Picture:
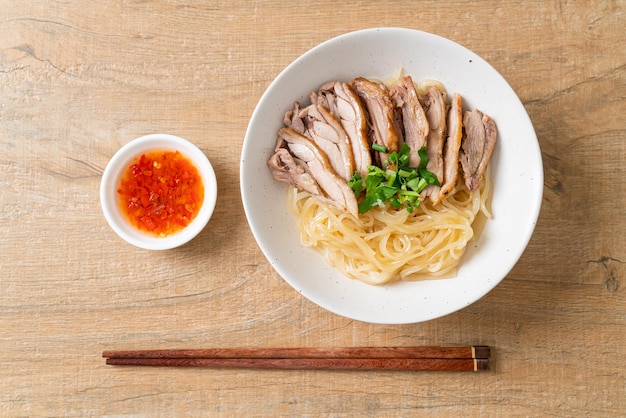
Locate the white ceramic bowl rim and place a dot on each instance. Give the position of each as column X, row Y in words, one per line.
column 112, row 176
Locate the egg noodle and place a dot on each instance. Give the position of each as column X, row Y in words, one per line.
column 389, row 244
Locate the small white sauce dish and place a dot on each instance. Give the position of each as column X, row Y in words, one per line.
column 111, row 182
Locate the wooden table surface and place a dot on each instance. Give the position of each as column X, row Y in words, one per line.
column 80, row 79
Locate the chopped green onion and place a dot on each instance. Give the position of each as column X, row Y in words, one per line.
column 379, row 148
column 398, row 183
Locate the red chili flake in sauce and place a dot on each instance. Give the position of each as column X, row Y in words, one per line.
column 161, row 192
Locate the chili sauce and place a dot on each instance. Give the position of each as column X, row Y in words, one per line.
column 161, row 192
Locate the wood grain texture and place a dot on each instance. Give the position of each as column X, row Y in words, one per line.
column 79, row 79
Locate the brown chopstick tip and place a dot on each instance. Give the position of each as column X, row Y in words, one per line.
column 481, row 351
column 481, row 365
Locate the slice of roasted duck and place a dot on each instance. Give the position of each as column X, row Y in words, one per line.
column 479, row 140
column 414, row 121
column 382, row 125
column 318, row 124
column 451, row 148
column 435, row 109
column 310, row 162
column 344, row 104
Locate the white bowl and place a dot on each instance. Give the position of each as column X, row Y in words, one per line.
column 112, row 177
column 516, row 169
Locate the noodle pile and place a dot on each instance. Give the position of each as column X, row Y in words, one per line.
column 389, row 244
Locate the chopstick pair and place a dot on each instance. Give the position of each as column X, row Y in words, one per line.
column 426, row 358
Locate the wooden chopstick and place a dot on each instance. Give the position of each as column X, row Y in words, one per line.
column 411, row 364
column 444, row 352
column 469, row 358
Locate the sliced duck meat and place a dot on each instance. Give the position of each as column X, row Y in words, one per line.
column 326, row 131
column 293, row 119
column 317, row 123
column 478, row 143
column 451, row 148
column 344, row 104
column 326, row 97
column 414, row 120
column 334, row 189
column 286, row 168
column 382, row 125
column 435, row 109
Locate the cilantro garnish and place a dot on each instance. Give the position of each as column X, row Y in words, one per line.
column 396, row 182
